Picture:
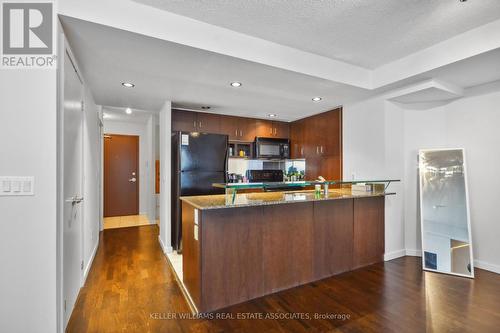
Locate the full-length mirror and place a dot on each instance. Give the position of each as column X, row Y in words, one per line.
column 444, row 212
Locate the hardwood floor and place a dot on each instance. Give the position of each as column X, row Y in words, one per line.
column 131, row 288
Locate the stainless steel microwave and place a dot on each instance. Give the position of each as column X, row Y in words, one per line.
column 272, row 148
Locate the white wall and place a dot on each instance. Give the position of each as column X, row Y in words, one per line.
column 28, row 147
column 373, row 150
column 92, row 178
column 165, row 169
column 382, row 139
column 146, row 162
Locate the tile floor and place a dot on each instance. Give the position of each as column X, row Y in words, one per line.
column 125, row 221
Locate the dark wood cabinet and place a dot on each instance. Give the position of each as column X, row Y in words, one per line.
column 264, row 128
column 184, row 121
column 246, row 129
column 318, row 139
column 208, row 123
column 333, row 237
column 369, row 231
column 237, row 128
column 272, row 129
column 188, row 121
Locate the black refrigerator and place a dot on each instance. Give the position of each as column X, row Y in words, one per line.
column 198, row 161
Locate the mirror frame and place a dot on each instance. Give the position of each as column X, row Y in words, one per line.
column 420, row 151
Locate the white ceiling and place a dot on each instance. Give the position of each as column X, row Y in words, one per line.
column 192, row 77
column 119, row 114
column 363, row 32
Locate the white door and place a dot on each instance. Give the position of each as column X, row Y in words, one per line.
column 72, row 147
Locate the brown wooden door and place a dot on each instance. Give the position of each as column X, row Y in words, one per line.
column 281, row 129
column 297, row 139
column 184, row 121
column 208, row 123
column 229, row 126
column 121, row 175
column 246, row 128
column 264, row 128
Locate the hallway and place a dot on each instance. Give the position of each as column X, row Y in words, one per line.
column 131, row 288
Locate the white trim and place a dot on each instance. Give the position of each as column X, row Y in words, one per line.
column 487, row 266
column 165, row 250
column 394, row 254
column 182, row 286
column 413, row 253
column 89, row 264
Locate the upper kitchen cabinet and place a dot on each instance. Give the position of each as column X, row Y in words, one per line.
column 238, row 128
column 297, row 138
column 208, row 123
column 188, row 121
column 246, row 127
column 229, row 126
column 318, row 139
column 184, row 121
column 272, row 129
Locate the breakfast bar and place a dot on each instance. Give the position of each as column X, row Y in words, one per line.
column 237, row 247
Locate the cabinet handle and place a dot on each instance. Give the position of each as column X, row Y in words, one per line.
column 271, row 131
column 194, row 123
column 302, row 151
column 317, row 150
column 241, row 133
column 199, row 123
column 275, row 131
column 321, row 149
column 236, row 132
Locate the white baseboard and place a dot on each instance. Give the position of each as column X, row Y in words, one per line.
column 89, row 264
column 394, row 254
column 487, row 266
column 167, row 249
column 413, row 253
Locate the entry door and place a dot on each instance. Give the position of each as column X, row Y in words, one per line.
column 121, row 175
column 72, row 143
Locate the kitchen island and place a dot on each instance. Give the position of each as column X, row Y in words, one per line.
column 261, row 243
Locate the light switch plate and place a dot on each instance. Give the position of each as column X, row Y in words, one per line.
column 17, row 186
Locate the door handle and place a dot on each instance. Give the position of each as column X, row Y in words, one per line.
column 132, row 180
column 74, row 200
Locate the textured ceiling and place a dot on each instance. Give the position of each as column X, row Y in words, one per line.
column 368, row 33
column 191, row 77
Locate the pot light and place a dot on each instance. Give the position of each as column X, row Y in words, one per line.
column 271, row 115
column 236, row 84
column 316, row 99
column 106, row 116
column 205, row 107
column 128, row 111
column 128, row 84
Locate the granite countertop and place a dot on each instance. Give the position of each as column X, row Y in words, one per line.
column 273, row 198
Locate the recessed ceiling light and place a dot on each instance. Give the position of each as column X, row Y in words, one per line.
column 205, row 107
column 128, row 111
column 105, row 116
column 271, row 115
column 236, row 84
column 317, row 99
column 128, row 84
column 462, row 0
